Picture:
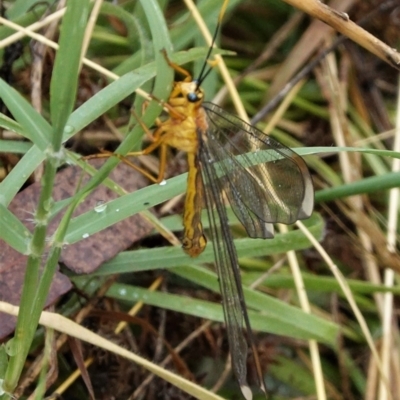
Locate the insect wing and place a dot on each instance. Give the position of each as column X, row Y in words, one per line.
column 227, row 268
column 266, row 183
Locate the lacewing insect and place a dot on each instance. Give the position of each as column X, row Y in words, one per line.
column 264, row 181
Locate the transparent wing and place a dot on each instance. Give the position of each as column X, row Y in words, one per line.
column 267, row 183
column 227, row 266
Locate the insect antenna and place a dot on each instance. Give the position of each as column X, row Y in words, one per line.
column 203, row 73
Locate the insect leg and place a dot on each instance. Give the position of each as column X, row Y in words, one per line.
column 157, row 142
column 176, row 67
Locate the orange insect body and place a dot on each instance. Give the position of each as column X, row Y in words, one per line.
column 194, row 241
column 180, row 131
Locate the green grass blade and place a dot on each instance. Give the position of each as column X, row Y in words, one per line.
column 13, row 182
column 371, row 184
column 65, row 74
column 16, row 235
column 14, row 146
column 34, row 125
column 277, row 317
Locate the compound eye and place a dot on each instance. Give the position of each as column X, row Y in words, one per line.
column 192, row 97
